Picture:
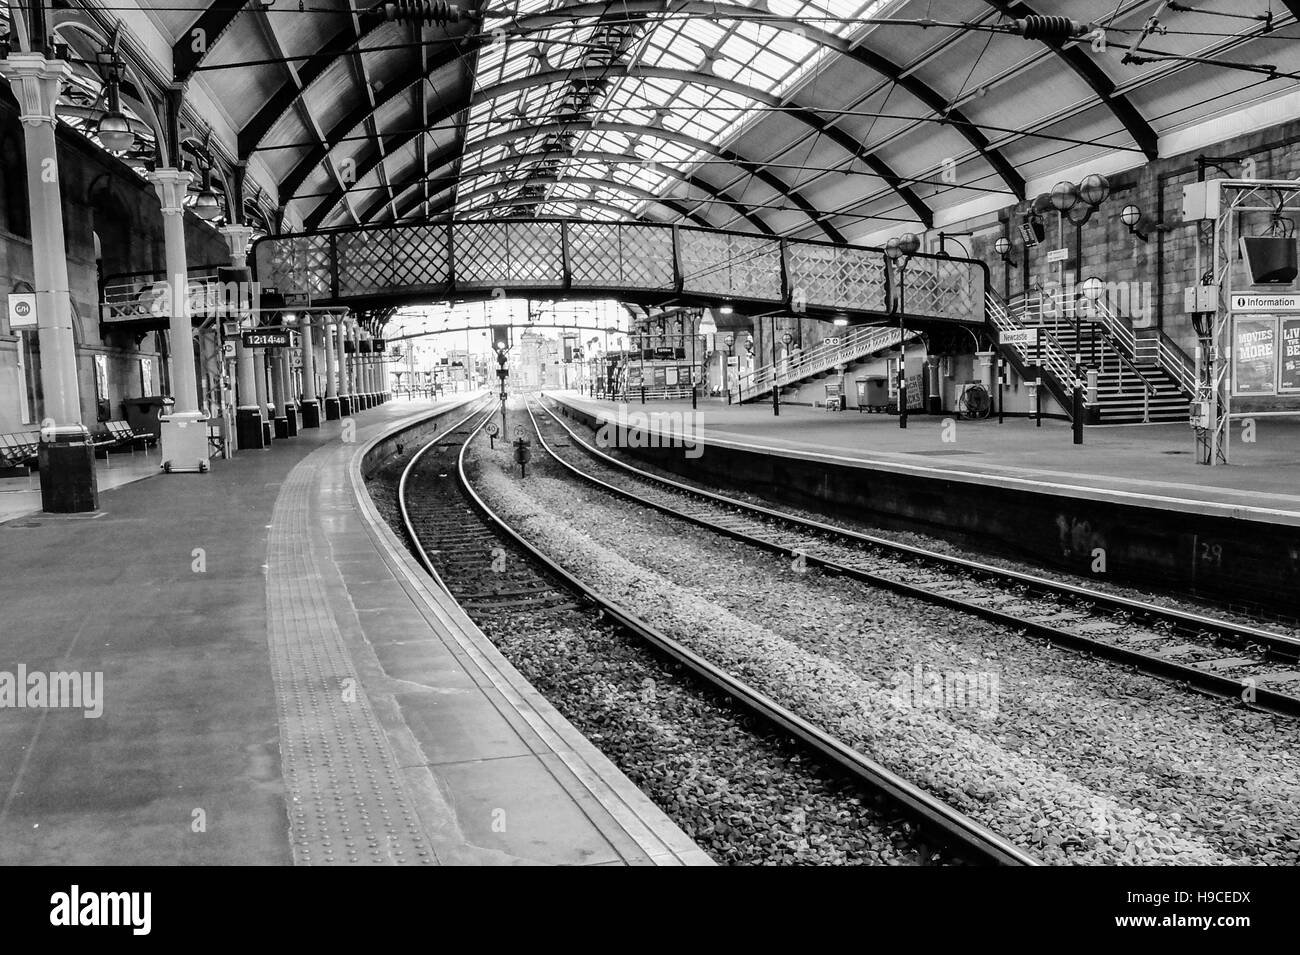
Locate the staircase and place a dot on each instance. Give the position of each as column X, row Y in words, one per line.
column 1139, row 381
column 854, row 345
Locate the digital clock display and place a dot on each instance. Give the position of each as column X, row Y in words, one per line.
column 267, row 339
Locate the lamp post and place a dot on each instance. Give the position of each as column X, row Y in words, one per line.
column 1078, row 203
column 902, row 247
column 729, row 341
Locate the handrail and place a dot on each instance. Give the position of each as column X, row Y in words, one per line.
column 859, row 342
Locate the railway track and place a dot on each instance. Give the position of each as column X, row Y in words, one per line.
column 458, row 537
column 1257, row 667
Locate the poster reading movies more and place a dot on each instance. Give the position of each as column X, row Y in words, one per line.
column 1290, row 377
column 1254, row 355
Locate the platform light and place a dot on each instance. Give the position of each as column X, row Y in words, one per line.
column 892, row 249
column 114, row 129
column 1094, row 189
column 207, row 205
column 840, row 320
column 1064, row 195
column 726, row 310
column 1131, row 215
column 909, row 243
column 1002, row 247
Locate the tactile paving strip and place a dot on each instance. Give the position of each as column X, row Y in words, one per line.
column 346, row 800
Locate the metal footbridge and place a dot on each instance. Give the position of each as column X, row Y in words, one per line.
column 646, row 263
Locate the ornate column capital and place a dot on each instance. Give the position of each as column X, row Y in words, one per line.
column 237, row 238
column 36, row 83
column 172, row 185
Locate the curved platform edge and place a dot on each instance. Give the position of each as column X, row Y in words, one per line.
column 636, row 829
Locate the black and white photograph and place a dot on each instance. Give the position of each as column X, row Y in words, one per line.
column 715, row 433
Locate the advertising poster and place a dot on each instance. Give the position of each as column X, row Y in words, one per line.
column 659, row 376
column 670, row 376
column 1254, row 355
column 1290, row 376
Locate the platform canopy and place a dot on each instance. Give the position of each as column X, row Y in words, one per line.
column 837, row 119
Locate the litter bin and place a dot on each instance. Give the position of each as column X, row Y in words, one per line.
column 142, row 413
column 873, row 393
column 67, row 461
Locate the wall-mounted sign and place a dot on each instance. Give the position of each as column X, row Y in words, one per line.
column 295, row 358
column 1255, row 302
column 268, row 338
column 1254, row 355
column 1018, row 336
column 1289, row 375
column 1058, row 255
column 22, row 309
column 228, row 349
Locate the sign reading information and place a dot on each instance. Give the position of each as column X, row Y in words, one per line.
column 1254, row 355
column 1263, row 302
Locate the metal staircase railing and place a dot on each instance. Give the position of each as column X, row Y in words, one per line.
column 1048, row 354
column 855, row 345
column 1117, row 340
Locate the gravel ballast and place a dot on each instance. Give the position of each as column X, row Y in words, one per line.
column 1075, row 760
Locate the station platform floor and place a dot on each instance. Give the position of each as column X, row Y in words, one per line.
column 280, row 684
column 1153, row 466
column 22, row 495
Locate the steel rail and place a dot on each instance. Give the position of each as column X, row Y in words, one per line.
column 976, row 841
column 1203, row 679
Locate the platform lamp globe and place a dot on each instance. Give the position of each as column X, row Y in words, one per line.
column 114, row 129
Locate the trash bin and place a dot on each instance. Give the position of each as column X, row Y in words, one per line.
column 142, row 413
column 873, row 393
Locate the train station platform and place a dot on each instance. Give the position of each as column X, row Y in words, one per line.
column 1135, row 492
column 267, row 677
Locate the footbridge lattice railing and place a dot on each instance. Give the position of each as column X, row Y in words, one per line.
column 475, row 259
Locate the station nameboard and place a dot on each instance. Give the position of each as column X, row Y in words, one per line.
column 1018, row 336
column 267, row 338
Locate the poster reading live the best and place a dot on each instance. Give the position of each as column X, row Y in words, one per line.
column 1289, row 379
column 1254, row 355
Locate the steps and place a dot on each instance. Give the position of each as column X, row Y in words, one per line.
column 853, row 346
column 1127, row 393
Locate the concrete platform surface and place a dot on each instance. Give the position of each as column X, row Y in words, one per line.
column 1146, row 465
column 20, row 496
column 270, row 681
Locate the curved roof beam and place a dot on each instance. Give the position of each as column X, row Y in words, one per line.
column 450, row 155
column 800, row 113
column 258, row 127
column 627, row 216
column 1087, row 70
column 633, row 191
column 757, row 169
column 505, row 165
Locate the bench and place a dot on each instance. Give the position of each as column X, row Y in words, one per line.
column 18, row 453
column 119, row 436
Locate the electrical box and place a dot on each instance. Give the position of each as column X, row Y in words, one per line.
column 1200, row 298
column 1201, row 200
column 1199, row 414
